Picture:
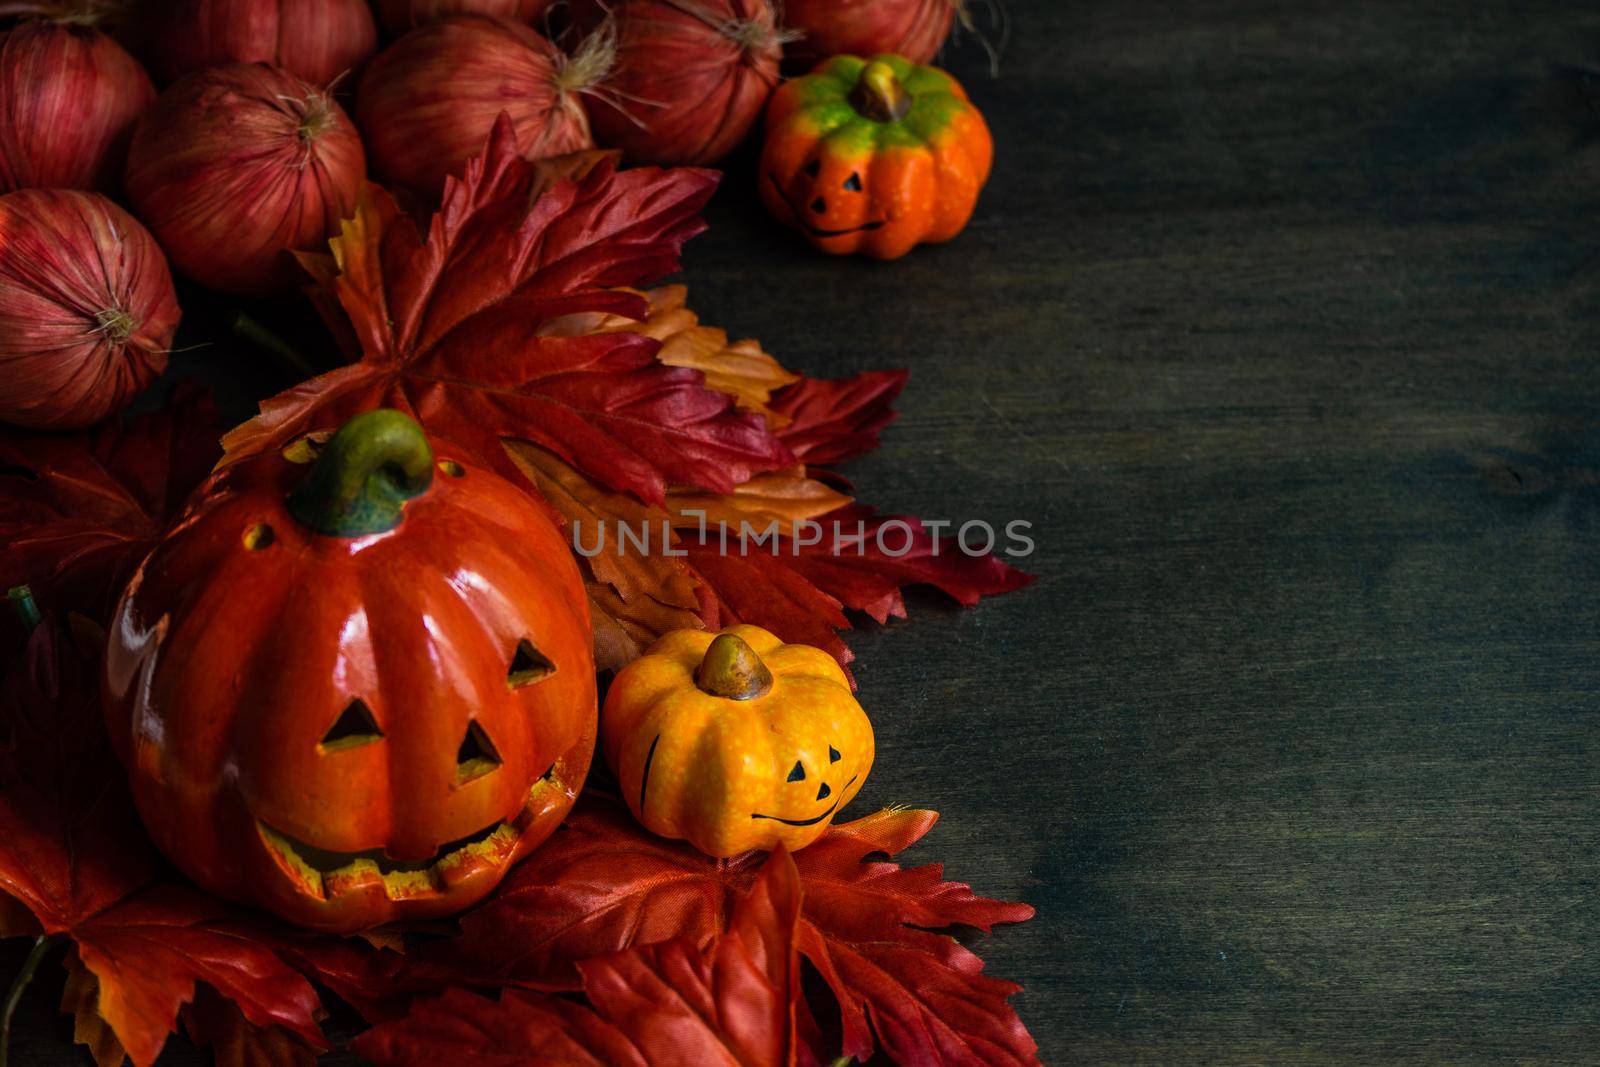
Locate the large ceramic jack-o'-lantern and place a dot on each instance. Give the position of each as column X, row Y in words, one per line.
column 357, row 687
column 735, row 741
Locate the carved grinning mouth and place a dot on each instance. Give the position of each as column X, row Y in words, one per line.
column 330, row 873
column 816, row 819
column 817, row 231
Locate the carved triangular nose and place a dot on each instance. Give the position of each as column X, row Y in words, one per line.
column 476, row 756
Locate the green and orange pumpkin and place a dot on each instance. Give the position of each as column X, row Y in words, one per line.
column 874, row 156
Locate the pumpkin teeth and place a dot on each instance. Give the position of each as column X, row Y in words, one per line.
column 330, row 873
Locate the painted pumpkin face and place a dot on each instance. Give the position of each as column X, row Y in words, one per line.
column 356, row 689
column 736, row 741
column 874, row 157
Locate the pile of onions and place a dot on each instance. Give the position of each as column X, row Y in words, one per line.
column 428, row 103
column 690, row 78
column 315, row 39
column 915, row 29
column 87, row 311
column 69, row 96
column 236, row 166
column 398, row 16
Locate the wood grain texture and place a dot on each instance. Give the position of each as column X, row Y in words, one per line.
column 1279, row 322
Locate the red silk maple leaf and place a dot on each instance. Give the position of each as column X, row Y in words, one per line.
column 70, row 844
column 79, row 510
column 796, row 587
column 73, row 854
column 450, row 328
column 602, row 884
column 832, row 420
column 667, row 1004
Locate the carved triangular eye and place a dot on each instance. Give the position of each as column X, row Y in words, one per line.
column 528, row 665
column 477, row 755
column 798, row 772
column 355, row 726
column 853, row 183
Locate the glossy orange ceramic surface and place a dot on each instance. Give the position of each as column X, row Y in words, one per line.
column 353, row 730
column 874, row 156
column 736, row 752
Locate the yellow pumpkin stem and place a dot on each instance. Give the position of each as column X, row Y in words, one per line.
column 731, row 669
column 879, row 94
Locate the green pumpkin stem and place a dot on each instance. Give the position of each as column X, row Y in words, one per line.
column 732, row 670
column 879, row 94
column 364, row 475
column 26, row 608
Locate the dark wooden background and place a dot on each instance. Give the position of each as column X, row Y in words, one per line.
column 1279, row 321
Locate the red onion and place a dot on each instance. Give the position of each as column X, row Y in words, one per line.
column 317, row 40
column 427, row 103
column 69, row 96
column 690, row 78
column 915, row 29
column 234, row 167
column 398, row 16
column 87, row 311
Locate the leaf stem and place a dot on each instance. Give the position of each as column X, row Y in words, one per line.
column 249, row 329
column 22, row 602
column 41, row 945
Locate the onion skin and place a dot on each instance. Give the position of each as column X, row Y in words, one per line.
column 683, row 90
column 428, row 102
column 234, row 167
column 317, row 40
column 399, row 16
column 87, row 310
column 69, row 96
column 916, row 29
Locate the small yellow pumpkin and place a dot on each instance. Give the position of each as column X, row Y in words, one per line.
column 735, row 741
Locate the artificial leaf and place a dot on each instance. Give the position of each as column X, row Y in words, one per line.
column 779, row 499
column 148, row 953
column 738, row 999
column 741, row 369
column 603, row 884
column 782, row 551
column 70, row 844
column 864, row 559
column 72, row 852
column 80, row 999
column 797, row 586
column 594, row 520
column 79, row 510
column 518, row 1030
column 832, row 420
column 374, row 981
column 449, row 328
column 759, row 587
column 666, row 1004
column 213, row 1020
column 867, row 931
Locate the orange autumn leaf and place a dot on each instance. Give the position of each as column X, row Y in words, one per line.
column 623, row 629
column 80, row 998
column 786, row 498
column 593, row 519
